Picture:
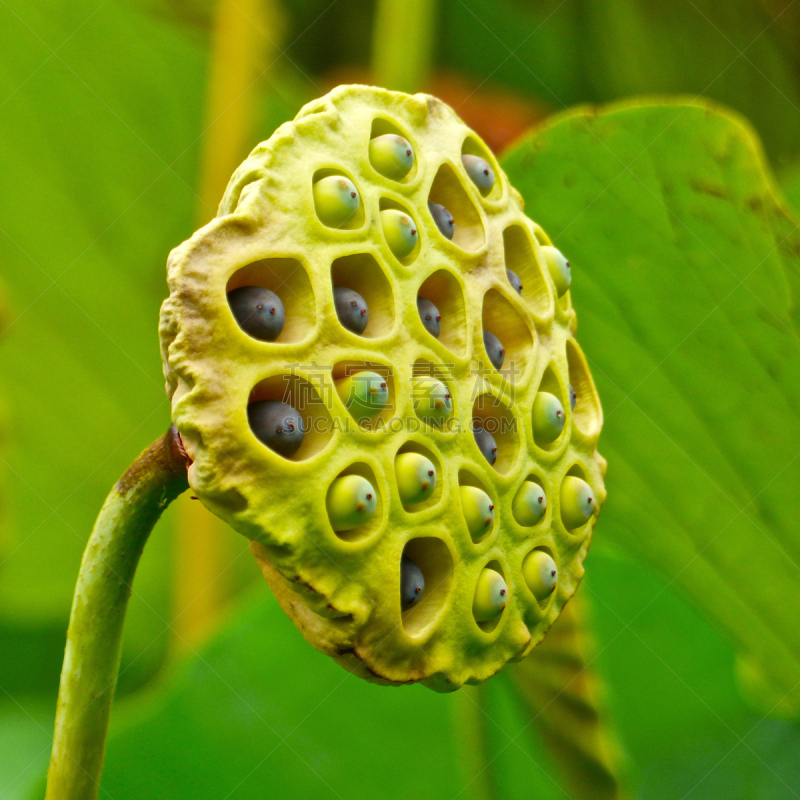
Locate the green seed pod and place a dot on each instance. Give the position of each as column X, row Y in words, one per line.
column 530, row 503
column 351, row 502
column 577, row 502
column 559, row 269
column 336, row 200
column 548, row 417
column 480, row 173
column 491, row 596
column 416, row 477
column 342, row 591
column 365, row 394
column 432, row 400
column 391, row 155
column 400, row 232
column 540, row 573
column 478, row 510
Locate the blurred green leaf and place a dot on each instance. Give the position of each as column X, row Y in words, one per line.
column 685, row 276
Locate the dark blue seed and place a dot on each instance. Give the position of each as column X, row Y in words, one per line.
column 573, row 398
column 258, row 311
column 430, row 316
column 494, row 348
column 514, row 280
column 277, row 425
column 412, row 583
column 351, row 308
column 443, row 219
column 486, row 444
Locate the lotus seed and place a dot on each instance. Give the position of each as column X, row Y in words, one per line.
column 443, row 219
column 258, row 311
column 336, row 200
column 416, row 477
column 486, row 444
column 577, row 502
column 478, row 511
column 548, row 417
column 277, row 425
column 351, row 502
column 400, row 232
column 514, row 280
column 351, row 308
column 573, row 398
column 491, row 595
column 494, row 349
column 530, row 503
column 559, row 269
column 540, row 573
column 480, row 173
column 432, row 400
column 412, row 583
column 365, row 393
column 391, row 155
column 430, row 316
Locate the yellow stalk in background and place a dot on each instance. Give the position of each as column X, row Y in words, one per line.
column 402, row 44
column 245, row 44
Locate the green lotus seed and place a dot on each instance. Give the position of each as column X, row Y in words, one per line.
column 365, row 393
column 494, row 349
column 548, row 417
column 443, row 219
column 416, row 477
column 559, row 268
column 573, row 398
column 336, row 200
column 351, row 308
column 430, row 316
column 391, row 155
column 491, row 595
column 351, row 502
column 540, row 573
column 530, row 503
column 514, row 280
column 400, row 232
column 432, row 400
column 412, row 583
column 486, row 444
column 480, row 173
column 478, row 510
column 577, row 502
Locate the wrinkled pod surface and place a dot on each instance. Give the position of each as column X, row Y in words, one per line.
column 378, row 568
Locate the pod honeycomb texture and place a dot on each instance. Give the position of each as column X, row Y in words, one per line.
column 343, row 590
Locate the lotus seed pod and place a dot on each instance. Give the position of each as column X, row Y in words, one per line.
column 540, row 573
column 391, row 155
column 514, row 280
column 530, row 503
column 559, row 269
column 400, row 232
column 351, row 502
column 277, row 425
column 412, row 583
column 491, row 596
column 548, row 417
column 258, row 311
column 432, row 400
column 478, row 510
column 341, row 591
column 351, row 309
column 430, row 316
column 365, row 394
column 416, row 477
column 443, row 219
column 577, row 502
column 494, row 349
column 573, row 398
column 486, row 444
column 480, row 173
column 336, row 200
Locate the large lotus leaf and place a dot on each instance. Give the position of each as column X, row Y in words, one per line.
column 685, row 269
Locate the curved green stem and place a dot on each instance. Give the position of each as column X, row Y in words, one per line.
column 91, row 659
